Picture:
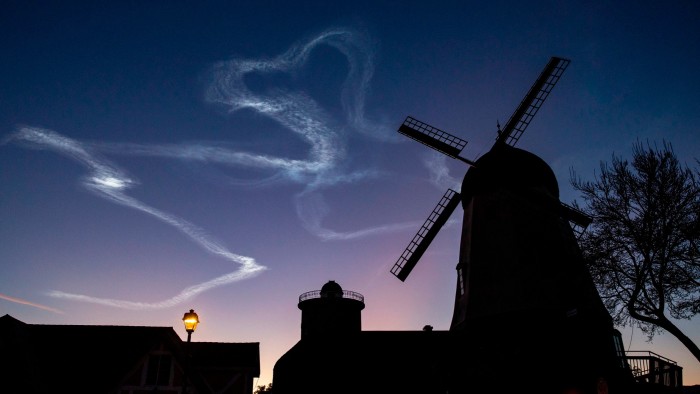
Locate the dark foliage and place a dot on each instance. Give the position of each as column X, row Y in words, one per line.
column 643, row 246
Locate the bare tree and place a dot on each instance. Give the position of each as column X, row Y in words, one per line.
column 643, row 246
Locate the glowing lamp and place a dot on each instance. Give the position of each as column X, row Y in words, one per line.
column 190, row 319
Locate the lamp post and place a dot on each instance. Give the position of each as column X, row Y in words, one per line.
column 191, row 320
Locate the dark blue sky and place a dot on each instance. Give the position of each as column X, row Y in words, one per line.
column 158, row 156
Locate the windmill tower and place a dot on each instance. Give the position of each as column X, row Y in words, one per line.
column 524, row 297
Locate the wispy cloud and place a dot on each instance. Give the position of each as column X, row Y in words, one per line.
column 300, row 114
column 188, row 293
column 295, row 111
column 440, row 173
column 313, row 208
column 110, row 182
column 29, row 303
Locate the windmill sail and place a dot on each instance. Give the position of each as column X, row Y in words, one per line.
column 433, row 137
column 452, row 146
column 578, row 220
column 532, row 102
column 420, row 242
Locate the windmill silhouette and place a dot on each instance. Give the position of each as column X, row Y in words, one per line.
column 452, row 146
column 520, row 268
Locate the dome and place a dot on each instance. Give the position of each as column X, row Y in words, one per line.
column 331, row 289
column 506, row 167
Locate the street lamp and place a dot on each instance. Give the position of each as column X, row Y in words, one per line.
column 191, row 320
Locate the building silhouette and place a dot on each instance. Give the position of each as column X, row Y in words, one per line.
column 334, row 355
column 526, row 310
column 527, row 315
column 44, row 358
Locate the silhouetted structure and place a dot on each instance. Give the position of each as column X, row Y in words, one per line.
column 330, row 311
column 38, row 358
column 334, row 355
column 527, row 316
column 524, row 288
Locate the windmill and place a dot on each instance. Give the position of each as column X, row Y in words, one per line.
column 519, row 264
column 452, row 146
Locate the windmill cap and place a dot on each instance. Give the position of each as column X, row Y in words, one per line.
column 506, row 167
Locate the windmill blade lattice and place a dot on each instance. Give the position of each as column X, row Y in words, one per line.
column 532, row 102
column 433, row 137
column 420, row 242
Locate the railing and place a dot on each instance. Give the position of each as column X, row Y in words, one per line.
column 346, row 294
column 649, row 367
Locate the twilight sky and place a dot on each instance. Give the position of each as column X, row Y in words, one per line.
column 157, row 156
